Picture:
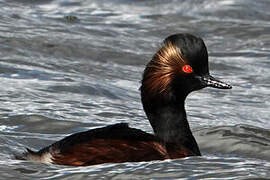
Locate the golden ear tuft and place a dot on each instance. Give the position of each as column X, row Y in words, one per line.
column 160, row 71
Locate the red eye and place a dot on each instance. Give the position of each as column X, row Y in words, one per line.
column 187, row 69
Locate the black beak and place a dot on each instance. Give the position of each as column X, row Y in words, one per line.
column 209, row 81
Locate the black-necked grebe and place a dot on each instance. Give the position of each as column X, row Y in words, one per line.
column 179, row 67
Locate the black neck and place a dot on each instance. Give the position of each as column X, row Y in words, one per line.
column 171, row 126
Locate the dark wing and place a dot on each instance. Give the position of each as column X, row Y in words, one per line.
column 98, row 151
column 111, row 144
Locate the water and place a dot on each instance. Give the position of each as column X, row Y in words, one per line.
column 68, row 66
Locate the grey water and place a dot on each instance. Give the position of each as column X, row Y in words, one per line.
column 71, row 65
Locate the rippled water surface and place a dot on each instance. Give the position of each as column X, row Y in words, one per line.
column 68, row 66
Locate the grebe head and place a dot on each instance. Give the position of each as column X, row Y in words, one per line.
column 179, row 67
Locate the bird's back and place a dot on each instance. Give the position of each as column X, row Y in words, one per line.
column 111, row 144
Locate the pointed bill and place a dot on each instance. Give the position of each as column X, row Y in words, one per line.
column 210, row 81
